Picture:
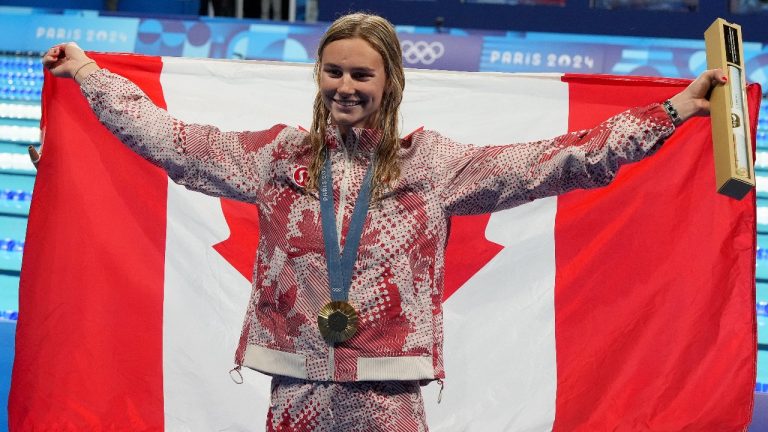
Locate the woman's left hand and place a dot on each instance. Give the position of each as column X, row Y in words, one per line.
column 693, row 101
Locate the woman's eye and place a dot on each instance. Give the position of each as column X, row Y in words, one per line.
column 333, row 73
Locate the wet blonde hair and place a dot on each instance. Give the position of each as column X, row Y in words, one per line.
column 380, row 35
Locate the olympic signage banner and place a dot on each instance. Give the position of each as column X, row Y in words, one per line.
column 505, row 54
column 446, row 52
column 624, row 308
column 228, row 39
column 38, row 32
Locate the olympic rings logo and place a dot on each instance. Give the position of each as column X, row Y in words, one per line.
column 422, row 52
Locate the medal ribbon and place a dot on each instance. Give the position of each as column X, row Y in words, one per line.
column 340, row 265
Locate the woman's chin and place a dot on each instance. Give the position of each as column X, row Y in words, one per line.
column 345, row 122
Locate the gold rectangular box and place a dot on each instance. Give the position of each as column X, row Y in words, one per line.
column 731, row 137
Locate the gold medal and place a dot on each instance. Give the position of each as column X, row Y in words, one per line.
column 337, row 321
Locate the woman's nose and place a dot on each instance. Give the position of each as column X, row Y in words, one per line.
column 346, row 86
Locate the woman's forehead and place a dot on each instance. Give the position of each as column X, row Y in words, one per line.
column 354, row 52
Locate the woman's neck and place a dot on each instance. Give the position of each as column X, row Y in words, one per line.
column 344, row 132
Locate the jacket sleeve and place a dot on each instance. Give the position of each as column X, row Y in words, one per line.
column 473, row 180
column 202, row 158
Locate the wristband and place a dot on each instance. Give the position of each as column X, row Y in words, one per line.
column 672, row 112
column 82, row 66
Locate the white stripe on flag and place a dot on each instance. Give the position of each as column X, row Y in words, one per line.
column 200, row 336
column 238, row 95
column 509, row 385
column 511, row 300
column 203, row 309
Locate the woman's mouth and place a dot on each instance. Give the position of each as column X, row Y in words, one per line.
column 347, row 103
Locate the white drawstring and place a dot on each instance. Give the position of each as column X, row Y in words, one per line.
column 239, row 378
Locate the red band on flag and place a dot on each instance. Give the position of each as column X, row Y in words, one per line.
column 101, row 324
column 638, row 262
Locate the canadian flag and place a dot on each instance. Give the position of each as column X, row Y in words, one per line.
column 626, row 308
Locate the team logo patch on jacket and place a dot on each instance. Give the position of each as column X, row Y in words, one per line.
column 300, row 175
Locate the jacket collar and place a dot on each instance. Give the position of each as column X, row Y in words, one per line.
column 359, row 140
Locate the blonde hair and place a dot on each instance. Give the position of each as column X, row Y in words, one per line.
column 380, row 35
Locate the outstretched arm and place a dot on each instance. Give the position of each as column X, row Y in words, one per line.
column 203, row 158
column 485, row 179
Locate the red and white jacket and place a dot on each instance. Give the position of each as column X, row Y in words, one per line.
column 397, row 285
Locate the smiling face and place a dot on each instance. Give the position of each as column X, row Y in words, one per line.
column 352, row 82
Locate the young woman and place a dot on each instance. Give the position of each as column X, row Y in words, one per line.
column 346, row 312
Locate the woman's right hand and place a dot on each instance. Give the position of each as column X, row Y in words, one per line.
column 69, row 61
column 66, row 61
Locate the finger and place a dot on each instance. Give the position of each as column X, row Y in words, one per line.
column 704, row 108
column 58, row 50
column 53, row 54
column 708, row 80
column 49, row 61
column 720, row 77
column 716, row 76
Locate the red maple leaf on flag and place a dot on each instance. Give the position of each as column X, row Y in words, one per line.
column 466, row 253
